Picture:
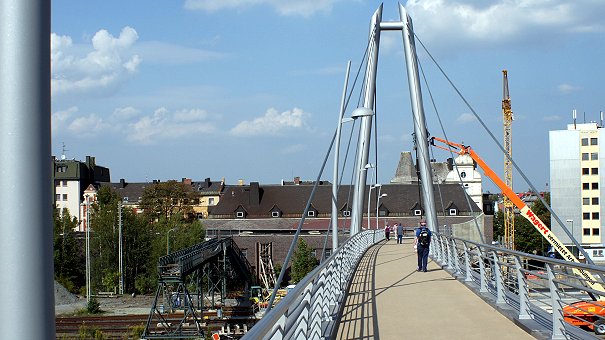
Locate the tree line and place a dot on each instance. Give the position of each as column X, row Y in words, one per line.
column 167, row 220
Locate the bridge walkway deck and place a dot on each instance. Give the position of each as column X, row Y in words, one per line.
column 389, row 299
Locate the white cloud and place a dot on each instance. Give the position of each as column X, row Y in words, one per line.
column 272, row 123
column 89, row 125
column 167, row 53
column 124, row 113
column 567, row 88
column 551, row 118
column 502, row 22
column 293, row 149
column 165, row 125
column 466, row 118
column 60, row 118
column 110, row 62
column 283, row 7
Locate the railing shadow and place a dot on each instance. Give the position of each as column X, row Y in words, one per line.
column 359, row 318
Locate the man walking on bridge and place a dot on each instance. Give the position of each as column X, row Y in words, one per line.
column 423, row 240
column 399, row 233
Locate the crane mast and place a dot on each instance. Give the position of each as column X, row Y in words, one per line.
column 509, row 213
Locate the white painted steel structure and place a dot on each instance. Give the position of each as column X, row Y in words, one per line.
column 310, row 311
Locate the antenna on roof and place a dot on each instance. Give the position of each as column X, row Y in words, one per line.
column 63, row 149
column 574, row 119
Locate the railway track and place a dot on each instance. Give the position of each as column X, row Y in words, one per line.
column 112, row 326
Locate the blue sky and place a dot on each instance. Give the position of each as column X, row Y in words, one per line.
column 250, row 89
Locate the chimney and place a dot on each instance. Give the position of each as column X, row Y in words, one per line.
column 122, row 183
column 207, row 182
column 450, row 164
column 297, row 180
column 254, row 194
column 185, row 180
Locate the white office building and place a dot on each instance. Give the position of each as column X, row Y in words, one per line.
column 575, row 183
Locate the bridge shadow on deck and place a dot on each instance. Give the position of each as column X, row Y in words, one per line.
column 389, row 299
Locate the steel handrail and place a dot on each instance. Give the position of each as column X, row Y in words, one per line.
column 311, row 309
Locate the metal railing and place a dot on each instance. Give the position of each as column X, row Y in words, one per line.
column 311, row 310
column 541, row 292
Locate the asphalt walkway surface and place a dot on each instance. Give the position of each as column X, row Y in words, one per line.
column 389, row 299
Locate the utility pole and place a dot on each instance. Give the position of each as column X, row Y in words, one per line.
column 120, row 245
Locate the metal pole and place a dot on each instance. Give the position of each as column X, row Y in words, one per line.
column 88, row 290
column 420, row 129
column 369, row 194
column 365, row 132
column 121, row 265
column 336, row 163
column 25, row 179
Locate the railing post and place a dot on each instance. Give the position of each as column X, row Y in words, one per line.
column 499, row 280
column 467, row 264
column 483, row 287
column 523, row 291
column 457, row 269
column 446, row 253
column 558, row 324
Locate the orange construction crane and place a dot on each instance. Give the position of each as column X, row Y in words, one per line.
column 525, row 211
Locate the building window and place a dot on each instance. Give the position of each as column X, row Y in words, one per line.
column 62, row 168
column 585, row 186
column 453, row 212
column 239, row 214
column 586, row 216
column 417, row 212
column 346, row 213
column 244, row 252
column 595, row 186
column 597, row 253
column 595, row 215
column 65, row 197
column 210, row 200
column 594, row 156
column 463, row 174
column 595, row 171
column 125, row 199
column 57, row 197
column 585, row 201
column 594, row 141
column 585, row 171
column 585, row 156
column 595, row 231
column 310, row 213
column 327, row 253
column 584, row 141
column 314, row 252
column 586, row 231
column 275, row 214
column 595, row 201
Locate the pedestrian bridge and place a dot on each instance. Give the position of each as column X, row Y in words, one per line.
column 370, row 289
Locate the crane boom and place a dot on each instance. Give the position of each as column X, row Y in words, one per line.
column 523, row 208
column 507, row 120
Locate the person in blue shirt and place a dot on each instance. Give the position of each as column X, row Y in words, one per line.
column 423, row 241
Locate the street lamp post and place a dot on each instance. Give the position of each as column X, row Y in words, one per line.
column 571, row 221
column 378, row 204
column 168, row 240
column 88, row 289
column 369, row 195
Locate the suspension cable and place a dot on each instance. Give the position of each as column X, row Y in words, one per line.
column 466, row 196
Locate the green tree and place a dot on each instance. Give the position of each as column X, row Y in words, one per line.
column 303, row 261
column 68, row 258
column 165, row 199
